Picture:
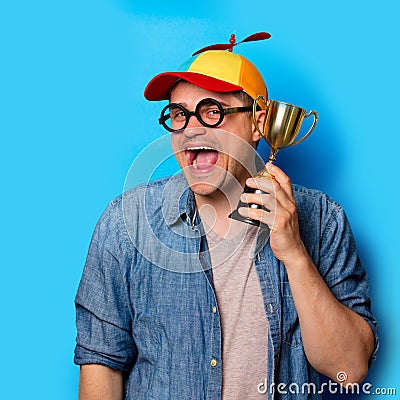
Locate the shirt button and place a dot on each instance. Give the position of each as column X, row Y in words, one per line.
column 271, row 308
column 214, row 309
column 214, row 362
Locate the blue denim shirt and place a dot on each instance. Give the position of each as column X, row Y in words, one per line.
column 146, row 303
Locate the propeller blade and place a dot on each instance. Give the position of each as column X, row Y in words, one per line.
column 220, row 46
column 256, row 36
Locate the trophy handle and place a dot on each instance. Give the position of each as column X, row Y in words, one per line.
column 311, row 129
column 260, row 96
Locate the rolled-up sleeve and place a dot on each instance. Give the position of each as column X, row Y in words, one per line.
column 342, row 270
column 103, row 311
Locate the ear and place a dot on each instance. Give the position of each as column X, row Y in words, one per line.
column 260, row 119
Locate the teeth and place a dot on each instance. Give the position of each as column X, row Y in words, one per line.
column 200, row 148
column 194, row 164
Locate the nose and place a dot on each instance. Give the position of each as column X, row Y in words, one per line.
column 193, row 121
column 194, row 127
column 195, row 131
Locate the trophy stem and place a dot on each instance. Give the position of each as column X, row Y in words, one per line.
column 272, row 154
column 264, row 173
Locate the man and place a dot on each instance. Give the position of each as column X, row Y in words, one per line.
column 178, row 301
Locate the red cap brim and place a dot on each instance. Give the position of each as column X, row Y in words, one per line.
column 159, row 87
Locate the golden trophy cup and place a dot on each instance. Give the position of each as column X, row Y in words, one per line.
column 281, row 127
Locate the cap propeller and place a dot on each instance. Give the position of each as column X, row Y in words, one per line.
column 232, row 42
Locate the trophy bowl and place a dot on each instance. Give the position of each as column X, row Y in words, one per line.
column 281, row 127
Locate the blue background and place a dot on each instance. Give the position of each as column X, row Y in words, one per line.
column 73, row 119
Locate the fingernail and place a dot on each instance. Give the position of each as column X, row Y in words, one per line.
column 249, row 181
column 243, row 198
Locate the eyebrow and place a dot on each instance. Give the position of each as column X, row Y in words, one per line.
column 225, row 105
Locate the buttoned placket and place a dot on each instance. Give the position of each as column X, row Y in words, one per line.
column 267, row 269
column 215, row 350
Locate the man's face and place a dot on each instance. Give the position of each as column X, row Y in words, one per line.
column 209, row 157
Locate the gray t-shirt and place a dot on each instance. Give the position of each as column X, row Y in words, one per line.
column 243, row 318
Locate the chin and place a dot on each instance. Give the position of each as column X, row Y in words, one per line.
column 205, row 185
column 203, row 189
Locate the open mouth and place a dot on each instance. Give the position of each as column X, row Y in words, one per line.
column 201, row 158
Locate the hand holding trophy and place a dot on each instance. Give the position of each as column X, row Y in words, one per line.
column 281, row 127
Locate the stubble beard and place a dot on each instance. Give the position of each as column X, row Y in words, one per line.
column 228, row 183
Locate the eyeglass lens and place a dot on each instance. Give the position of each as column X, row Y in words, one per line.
column 175, row 117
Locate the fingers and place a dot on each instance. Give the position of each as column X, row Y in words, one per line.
column 266, row 213
column 263, row 199
column 281, row 178
column 277, row 198
column 266, row 217
column 280, row 185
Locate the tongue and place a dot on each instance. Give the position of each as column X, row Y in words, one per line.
column 206, row 158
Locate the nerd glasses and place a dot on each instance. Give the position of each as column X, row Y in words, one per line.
column 209, row 112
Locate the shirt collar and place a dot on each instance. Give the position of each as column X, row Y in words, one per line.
column 178, row 201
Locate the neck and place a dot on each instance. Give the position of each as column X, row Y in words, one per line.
column 215, row 208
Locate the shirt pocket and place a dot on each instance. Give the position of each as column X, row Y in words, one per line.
column 291, row 334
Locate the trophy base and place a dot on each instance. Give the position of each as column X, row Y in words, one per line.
column 236, row 216
column 235, row 213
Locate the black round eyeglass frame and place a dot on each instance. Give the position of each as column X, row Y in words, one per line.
column 223, row 111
